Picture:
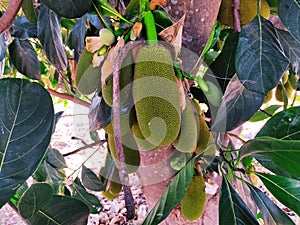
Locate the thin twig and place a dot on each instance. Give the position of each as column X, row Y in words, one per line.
column 69, row 97
column 8, row 17
column 123, row 172
column 236, row 15
column 85, row 147
column 265, row 112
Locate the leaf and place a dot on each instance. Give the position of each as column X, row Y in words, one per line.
column 238, row 105
column 24, row 58
column 26, row 121
column 69, row 8
column 260, row 61
column 274, row 154
column 261, row 115
column 232, row 209
column 289, row 14
column 78, row 34
column 224, row 65
column 2, row 46
column 89, row 199
column 22, row 28
column 90, row 180
column 284, row 125
column 29, row 10
column 50, row 36
column 271, row 213
column 286, row 190
column 291, row 48
column 56, row 159
column 61, row 210
column 94, row 20
column 2, row 67
column 172, row 195
column 34, row 198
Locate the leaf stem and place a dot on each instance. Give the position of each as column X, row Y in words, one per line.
column 236, row 15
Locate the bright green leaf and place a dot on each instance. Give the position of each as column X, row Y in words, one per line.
column 289, row 14
column 274, row 154
column 286, row 190
column 260, row 61
column 232, row 209
column 261, row 115
column 271, row 213
column 24, row 58
column 26, row 122
column 35, row 198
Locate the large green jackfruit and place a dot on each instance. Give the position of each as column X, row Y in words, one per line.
column 193, row 201
column 187, row 139
column 131, row 153
column 156, row 95
column 140, row 139
column 126, row 74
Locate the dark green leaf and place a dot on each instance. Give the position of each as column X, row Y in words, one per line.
column 238, row 105
column 172, row 195
column 89, row 199
column 35, row 198
column 284, row 125
column 261, row 115
column 67, row 23
column 26, row 121
column 90, row 180
column 274, row 154
column 29, row 10
column 2, row 46
column 162, row 18
column 78, row 34
column 62, row 210
column 271, row 213
column 22, row 28
column 24, row 58
column 50, row 36
column 260, row 61
column 289, row 14
column 286, row 190
column 224, row 65
column 69, row 8
column 232, row 209
column 56, row 159
column 272, row 3
column 291, row 48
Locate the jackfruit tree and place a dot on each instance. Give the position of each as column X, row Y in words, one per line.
column 168, row 85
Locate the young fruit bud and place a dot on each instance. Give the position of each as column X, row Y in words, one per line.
column 106, row 36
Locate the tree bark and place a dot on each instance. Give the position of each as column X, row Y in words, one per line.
column 155, row 173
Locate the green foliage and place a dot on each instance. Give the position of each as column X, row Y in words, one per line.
column 48, row 45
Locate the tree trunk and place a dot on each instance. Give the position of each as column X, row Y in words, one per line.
column 155, row 173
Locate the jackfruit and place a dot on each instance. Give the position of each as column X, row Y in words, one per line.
column 140, row 139
column 187, row 139
column 279, row 93
column 204, row 135
column 113, row 191
column 87, row 76
column 131, row 153
column 106, row 36
column 156, row 95
column 193, row 201
column 248, row 10
column 125, row 82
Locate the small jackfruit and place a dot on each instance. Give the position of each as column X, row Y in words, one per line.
column 113, row 191
column 279, row 93
column 140, row 139
column 156, row 95
column 106, row 36
column 126, row 74
column 269, row 96
column 87, row 76
column 188, row 136
column 193, row 201
column 204, row 135
column 248, row 10
column 131, row 153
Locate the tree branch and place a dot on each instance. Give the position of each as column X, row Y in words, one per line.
column 68, row 97
column 236, row 15
column 123, row 172
column 85, row 147
column 8, row 17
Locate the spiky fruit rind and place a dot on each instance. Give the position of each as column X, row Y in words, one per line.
column 193, row 202
column 126, row 74
column 188, row 136
column 106, row 36
column 248, row 10
column 140, row 139
column 131, row 153
column 156, row 95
